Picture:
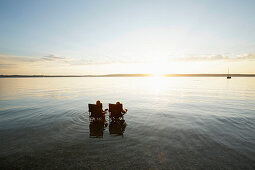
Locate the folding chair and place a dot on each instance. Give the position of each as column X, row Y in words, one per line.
column 96, row 111
column 115, row 111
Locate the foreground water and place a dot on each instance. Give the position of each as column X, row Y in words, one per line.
column 172, row 123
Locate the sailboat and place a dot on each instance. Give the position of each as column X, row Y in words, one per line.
column 228, row 77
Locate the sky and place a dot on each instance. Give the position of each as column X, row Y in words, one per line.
column 63, row 37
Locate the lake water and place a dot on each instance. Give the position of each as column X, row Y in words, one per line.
column 171, row 123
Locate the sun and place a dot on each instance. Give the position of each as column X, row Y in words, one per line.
column 158, row 69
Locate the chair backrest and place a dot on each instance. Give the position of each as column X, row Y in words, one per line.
column 93, row 107
column 115, row 107
column 115, row 110
column 96, row 110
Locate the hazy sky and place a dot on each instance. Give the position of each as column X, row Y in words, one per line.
column 102, row 37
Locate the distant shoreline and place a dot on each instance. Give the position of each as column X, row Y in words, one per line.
column 132, row 75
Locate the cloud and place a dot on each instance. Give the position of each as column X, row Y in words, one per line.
column 103, row 60
column 51, row 60
column 52, row 57
column 246, row 57
column 12, row 58
column 202, row 58
column 216, row 58
column 7, row 65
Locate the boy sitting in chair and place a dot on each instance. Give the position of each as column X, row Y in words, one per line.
column 96, row 110
column 116, row 110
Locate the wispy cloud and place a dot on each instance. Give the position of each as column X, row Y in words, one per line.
column 246, row 57
column 202, row 58
column 7, row 65
column 54, row 64
column 52, row 57
column 13, row 58
column 52, row 60
column 216, row 58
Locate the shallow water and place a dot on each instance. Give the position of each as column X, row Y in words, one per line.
column 172, row 123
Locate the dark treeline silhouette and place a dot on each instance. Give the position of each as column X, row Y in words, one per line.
column 132, row 75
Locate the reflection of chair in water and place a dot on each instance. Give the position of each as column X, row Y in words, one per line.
column 96, row 111
column 117, row 126
column 96, row 128
column 116, row 111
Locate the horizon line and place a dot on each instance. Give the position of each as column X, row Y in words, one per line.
column 135, row 75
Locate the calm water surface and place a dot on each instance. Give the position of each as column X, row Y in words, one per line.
column 172, row 123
